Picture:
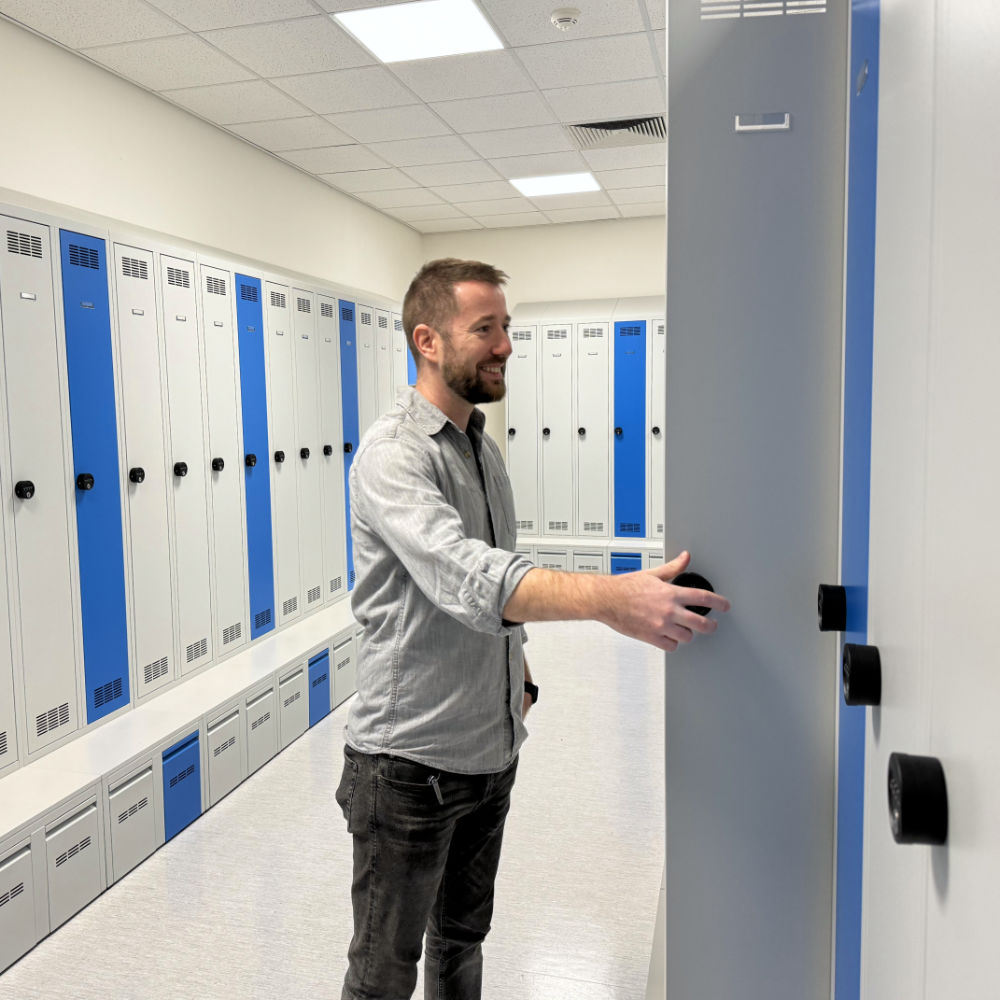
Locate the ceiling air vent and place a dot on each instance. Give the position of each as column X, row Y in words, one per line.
column 626, row 132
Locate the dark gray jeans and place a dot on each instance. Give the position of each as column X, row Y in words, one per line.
column 426, row 852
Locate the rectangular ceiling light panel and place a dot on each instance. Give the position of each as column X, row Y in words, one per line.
column 421, row 30
column 537, row 187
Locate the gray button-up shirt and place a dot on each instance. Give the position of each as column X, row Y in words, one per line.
column 440, row 674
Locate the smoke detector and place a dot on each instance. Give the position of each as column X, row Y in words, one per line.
column 565, row 18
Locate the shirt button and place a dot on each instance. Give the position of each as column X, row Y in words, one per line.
column 468, row 454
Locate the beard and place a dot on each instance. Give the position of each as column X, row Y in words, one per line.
column 466, row 381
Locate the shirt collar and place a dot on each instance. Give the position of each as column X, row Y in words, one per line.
column 430, row 419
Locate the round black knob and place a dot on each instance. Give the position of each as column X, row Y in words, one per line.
column 279, row 457
column 862, row 674
column 136, row 474
column 582, row 431
column 180, row 469
column 250, row 460
column 697, row 581
column 348, row 447
column 85, row 481
column 511, row 432
column 303, row 453
column 618, row 432
column 218, row 464
column 918, row 800
column 24, row 490
column 831, row 603
column 546, row 432
column 656, row 432
column 328, row 450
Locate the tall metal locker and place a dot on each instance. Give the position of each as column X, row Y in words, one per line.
column 331, row 463
column 308, row 453
column 229, row 582
column 281, row 383
column 523, row 394
column 593, row 445
column 96, row 472
column 349, row 403
column 404, row 370
column 37, row 486
column 383, row 362
column 367, row 368
column 146, row 460
column 630, row 429
column 256, row 458
column 187, row 461
column 657, row 351
column 557, row 429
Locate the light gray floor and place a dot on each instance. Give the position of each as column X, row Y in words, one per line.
column 252, row 900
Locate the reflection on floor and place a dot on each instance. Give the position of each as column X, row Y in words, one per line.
column 252, row 900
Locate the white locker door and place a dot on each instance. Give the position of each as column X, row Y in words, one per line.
column 367, row 381
column 308, row 449
column 36, row 491
column 146, row 461
column 229, row 581
column 188, row 461
column 331, row 463
column 522, row 428
column 281, row 408
column 400, row 357
column 557, row 430
column 657, row 396
column 383, row 361
column 593, row 430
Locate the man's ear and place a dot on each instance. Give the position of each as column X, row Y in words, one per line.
column 426, row 341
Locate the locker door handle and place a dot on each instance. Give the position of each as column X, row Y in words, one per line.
column 328, row 450
column 618, row 432
column 861, row 672
column 656, row 432
column 85, row 481
column 250, row 460
column 303, row 453
column 546, row 432
column 348, row 447
column 24, row 490
column 180, row 469
column 831, row 603
column 918, row 800
column 279, row 457
column 136, row 475
column 511, row 432
column 695, row 580
column 218, row 464
column 582, row 431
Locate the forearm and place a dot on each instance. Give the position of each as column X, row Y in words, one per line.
column 546, row 595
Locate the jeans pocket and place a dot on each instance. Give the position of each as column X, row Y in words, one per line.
column 345, row 790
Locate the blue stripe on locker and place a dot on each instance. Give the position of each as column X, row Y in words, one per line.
column 319, row 686
column 860, row 297
column 630, row 429
column 181, row 785
column 349, row 402
column 95, row 452
column 253, row 392
column 411, row 368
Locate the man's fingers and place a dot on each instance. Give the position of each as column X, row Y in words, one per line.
column 693, row 598
column 676, row 565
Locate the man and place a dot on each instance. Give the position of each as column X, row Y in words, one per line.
column 443, row 686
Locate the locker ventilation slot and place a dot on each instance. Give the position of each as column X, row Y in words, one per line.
column 630, row 331
column 659, row 528
column 314, row 594
column 278, row 299
column 154, row 671
column 197, row 650
column 597, row 526
column 366, row 319
column 260, row 722
column 304, row 305
column 52, row 719
column 109, row 692
column 628, row 526
column 344, row 663
column 383, row 323
column 132, row 810
column 249, row 293
column 557, row 334
column 24, row 243
column 714, row 10
column 525, row 525
column 290, row 605
column 336, row 583
column 326, row 310
column 177, row 778
column 232, row 633
column 84, row 257
column 520, row 335
column 353, row 576
column 558, row 525
column 262, row 619
column 3, row 743
column 659, row 329
column 72, row 852
column 347, row 315
column 217, row 286
column 593, row 332
column 12, row 894
column 175, row 276
column 397, row 325
column 133, row 268
column 292, row 698
column 319, row 680
column 551, row 565
column 223, row 747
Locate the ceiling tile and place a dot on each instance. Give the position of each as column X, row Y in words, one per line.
column 336, row 6
column 357, row 181
column 440, row 174
column 638, row 195
column 624, row 157
column 413, row 152
column 480, row 74
column 657, row 10
column 475, row 192
column 636, row 211
column 500, row 206
column 362, row 89
column 607, row 101
column 507, row 221
column 541, row 165
column 201, row 16
column 419, row 212
column 407, row 198
column 529, row 22
column 585, row 199
column 506, row 111
column 334, row 159
column 82, row 23
column 413, row 122
column 582, row 214
column 287, row 48
column 636, row 177
column 292, row 133
column 520, row 141
column 445, row 225
column 169, row 63
column 235, row 103
column 589, row 61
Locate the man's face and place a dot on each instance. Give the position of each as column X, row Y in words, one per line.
column 475, row 352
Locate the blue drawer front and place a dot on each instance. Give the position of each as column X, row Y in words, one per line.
column 349, row 405
column 625, row 562
column 319, row 687
column 181, row 785
column 95, row 452
column 630, row 429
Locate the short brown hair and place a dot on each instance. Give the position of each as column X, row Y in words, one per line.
column 430, row 299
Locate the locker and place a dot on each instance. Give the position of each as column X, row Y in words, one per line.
column 37, row 485
column 625, row 562
column 523, row 394
column 654, row 559
column 17, row 906
column 256, row 462
column 331, row 464
column 181, row 785
column 349, row 381
column 293, row 705
column 367, row 368
column 8, row 726
column 94, row 422
column 593, row 432
column 404, row 370
column 229, row 578
column 384, row 363
column 188, row 461
column 73, row 861
column 262, row 729
column 655, row 424
column 319, row 686
column 588, row 562
column 225, row 756
column 558, row 486
column 552, row 559
column 345, row 679
column 629, row 429
column 146, row 460
column 133, row 823
column 308, row 458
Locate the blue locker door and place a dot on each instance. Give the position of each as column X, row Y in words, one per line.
column 349, row 402
column 629, row 431
column 319, row 686
column 253, row 392
column 625, row 562
column 181, row 785
column 95, row 454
